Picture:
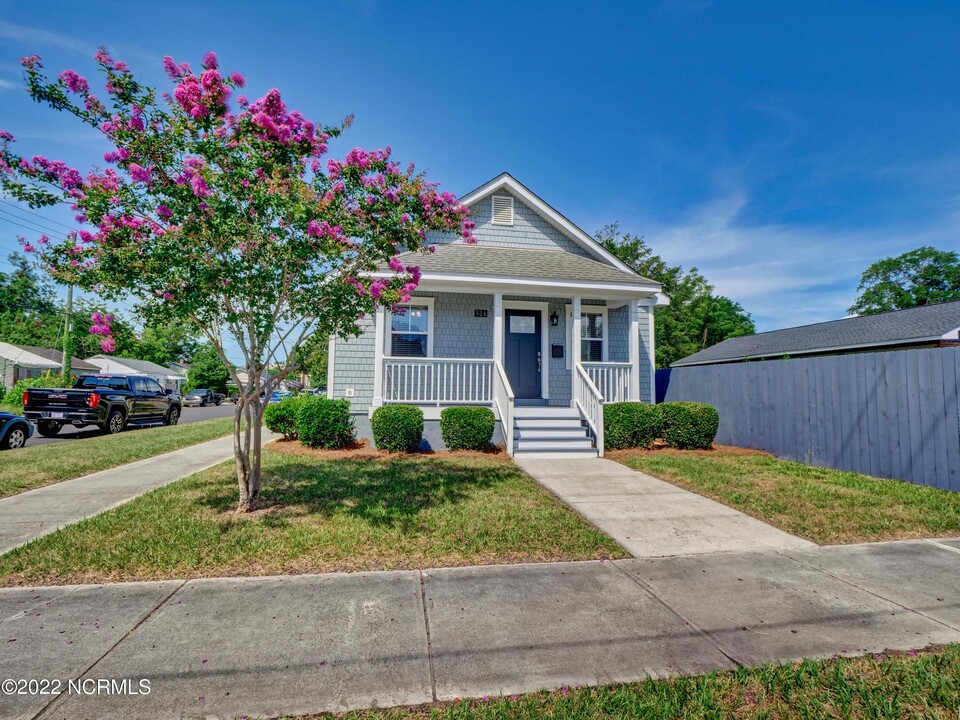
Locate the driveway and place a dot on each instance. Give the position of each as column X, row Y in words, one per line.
column 189, row 415
column 650, row 517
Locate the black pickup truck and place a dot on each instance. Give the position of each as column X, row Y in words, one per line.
column 111, row 402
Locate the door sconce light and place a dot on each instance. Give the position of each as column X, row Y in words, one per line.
column 554, row 319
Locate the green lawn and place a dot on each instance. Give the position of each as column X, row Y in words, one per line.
column 823, row 505
column 33, row 467
column 894, row 686
column 321, row 514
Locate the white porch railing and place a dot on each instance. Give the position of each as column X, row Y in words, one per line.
column 589, row 401
column 611, row 378
column 504, row 400
column 438, row 381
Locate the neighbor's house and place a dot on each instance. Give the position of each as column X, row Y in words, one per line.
column 920, row 327
column 536, row 321
column 18, row 362
column 168, row 378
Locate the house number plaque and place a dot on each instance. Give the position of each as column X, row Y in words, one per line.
column 479, row 313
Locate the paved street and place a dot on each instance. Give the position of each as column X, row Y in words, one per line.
column 190, row 414
column 302, row 644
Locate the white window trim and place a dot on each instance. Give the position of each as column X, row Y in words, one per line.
column 604, row 341
column 544, row 308
column 493, row 214
column 389, row 332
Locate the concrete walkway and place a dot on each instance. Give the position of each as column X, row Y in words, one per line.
column 650, row 517
column 312, row 643
column 35, row 513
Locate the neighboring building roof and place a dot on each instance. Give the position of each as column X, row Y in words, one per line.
column 928, row 323
column 491, row 261
column 139, row 366
column 40, row 357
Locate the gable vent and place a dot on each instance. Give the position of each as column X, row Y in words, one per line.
column 502, row 210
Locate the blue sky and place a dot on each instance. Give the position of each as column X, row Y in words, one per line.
column 780, row 147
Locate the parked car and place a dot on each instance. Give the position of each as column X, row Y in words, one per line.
column 278, row 395
column 201, row 398
column 111, row 402
column 15, row 430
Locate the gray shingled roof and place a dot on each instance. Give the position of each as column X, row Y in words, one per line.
column 57, row 357
column 141, row 366
column 486, row 260
column 899, row 327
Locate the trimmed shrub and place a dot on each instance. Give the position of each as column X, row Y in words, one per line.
column 324, row 423
column 281, row 417
column 14, row 396
column 689, row 425
column 467, row 428
column 630, row 425
column 397, row 428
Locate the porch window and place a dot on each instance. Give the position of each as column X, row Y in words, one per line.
column 593, row 334
column 410, row 334
column 592, row 337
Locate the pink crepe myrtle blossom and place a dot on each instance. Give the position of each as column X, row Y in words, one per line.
column 74, row 82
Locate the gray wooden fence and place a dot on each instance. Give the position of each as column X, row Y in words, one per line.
column 890, row 414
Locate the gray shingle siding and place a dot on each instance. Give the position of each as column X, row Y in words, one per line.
column 529, row 230
column 458, row 334
column 646, row 366
column 353, row 367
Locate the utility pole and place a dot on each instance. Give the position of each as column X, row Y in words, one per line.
column 67, row 335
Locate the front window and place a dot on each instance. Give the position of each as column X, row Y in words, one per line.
column 410, row 331
column 591, row 337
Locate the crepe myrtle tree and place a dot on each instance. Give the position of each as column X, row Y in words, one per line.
column 218, row 211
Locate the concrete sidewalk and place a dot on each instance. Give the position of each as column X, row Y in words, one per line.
column 35, row 513
column 650, row 517
column 312, row 643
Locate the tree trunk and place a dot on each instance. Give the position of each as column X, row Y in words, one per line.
column 246, row 449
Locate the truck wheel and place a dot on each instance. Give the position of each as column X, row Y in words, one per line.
column 15, row 438
column 114, row 424
column 48, row 429
column 173, row 417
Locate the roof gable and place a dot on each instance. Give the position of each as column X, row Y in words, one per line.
column 506, row 182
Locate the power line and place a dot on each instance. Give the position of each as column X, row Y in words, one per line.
column 31, row 229
column 45, row 228
column 32, row 212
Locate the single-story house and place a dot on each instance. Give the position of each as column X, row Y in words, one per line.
column 18, row 362
column 537, row 321
column 920, row 327
column 169, row 379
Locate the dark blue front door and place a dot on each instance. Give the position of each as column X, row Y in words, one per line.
column 521, row 352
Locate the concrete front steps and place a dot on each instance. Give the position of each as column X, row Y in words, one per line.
column 550, row 432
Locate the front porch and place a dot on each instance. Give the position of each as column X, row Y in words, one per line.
column 569, row 353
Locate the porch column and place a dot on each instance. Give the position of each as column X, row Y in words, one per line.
column 379, row 332
column 575, row 323
column 634, row 350
column 498, row 327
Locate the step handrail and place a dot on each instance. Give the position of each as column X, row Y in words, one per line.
column 589, row 401
column 504, row 399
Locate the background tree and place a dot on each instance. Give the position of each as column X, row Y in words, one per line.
column 312, row 359
column 219, row 212
column 168, row 342
column 29, row 311
column 695, row 318
column 918, row 277
column 207, row 370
